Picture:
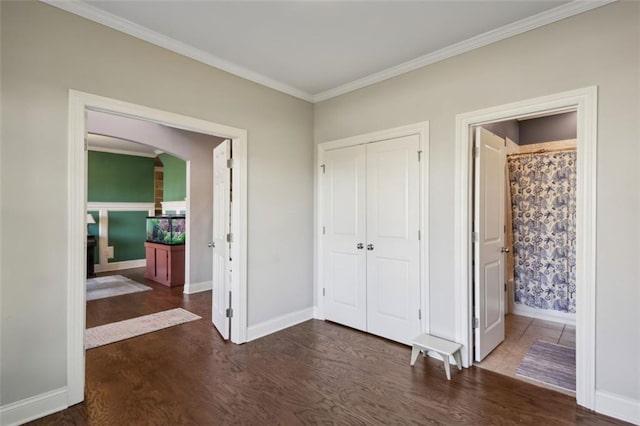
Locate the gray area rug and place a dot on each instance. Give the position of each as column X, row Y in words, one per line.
column 112, row 285
column 551, row 364
column 121, row 330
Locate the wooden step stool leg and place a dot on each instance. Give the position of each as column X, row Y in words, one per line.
column 446, row 365
column 458, row 359
column 415, row 351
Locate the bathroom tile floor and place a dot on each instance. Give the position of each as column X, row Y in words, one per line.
column 520, row 333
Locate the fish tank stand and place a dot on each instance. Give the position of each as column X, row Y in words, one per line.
column 165, row 263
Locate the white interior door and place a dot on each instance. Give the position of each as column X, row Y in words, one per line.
column 393, row 246
column 220, row 246
column 489, row 228
column 344, row 274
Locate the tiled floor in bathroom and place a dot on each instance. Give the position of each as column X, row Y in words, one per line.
column 520, row 333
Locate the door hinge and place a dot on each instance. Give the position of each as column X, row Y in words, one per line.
column 419, row 235
column 323, row 292
column 229, row 163
column 476, row 323
column 324, row 230
column 475, row 151
column 86, row 144
column 229, row 313
column 474, row 237
column 322, row 166
column 419, row 156
column 229, row 237
column 419, row 314
column 505, row 287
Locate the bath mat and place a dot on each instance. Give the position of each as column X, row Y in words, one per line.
column 112, row 285
column 121, row 330
column 551, row 364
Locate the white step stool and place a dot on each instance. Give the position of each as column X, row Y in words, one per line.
column 446, row 348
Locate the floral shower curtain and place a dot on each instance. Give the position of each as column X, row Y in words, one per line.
column 543, row 198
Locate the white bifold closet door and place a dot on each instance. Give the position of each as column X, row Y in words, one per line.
column 371, row 216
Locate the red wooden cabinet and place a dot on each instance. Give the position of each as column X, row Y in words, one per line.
column 165, row 263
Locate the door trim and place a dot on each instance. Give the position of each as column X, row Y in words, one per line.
column 422, row 130
column 79, row 102
column 585, row 102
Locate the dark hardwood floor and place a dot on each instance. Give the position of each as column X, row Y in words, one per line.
column 314, row 373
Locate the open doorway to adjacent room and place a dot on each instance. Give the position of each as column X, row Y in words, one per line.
column 480, row 233
column 137, row 196
column 215, row 242
column 524, row 191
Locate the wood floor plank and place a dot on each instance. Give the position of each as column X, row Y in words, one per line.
column 314, row 373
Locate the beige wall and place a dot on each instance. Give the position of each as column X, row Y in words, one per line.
column 45, row 52
column 600, row 48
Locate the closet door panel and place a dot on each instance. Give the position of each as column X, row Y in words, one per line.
column 393, row 248
column 344, row 204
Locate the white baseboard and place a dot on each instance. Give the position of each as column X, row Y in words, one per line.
column 192, row 288
column 276, row 324
column 618, row 406
column 544, row 314
column 118, row 266
column 317, row 313
column 32, row 408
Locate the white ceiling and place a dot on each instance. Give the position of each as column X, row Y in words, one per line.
column 319, row 49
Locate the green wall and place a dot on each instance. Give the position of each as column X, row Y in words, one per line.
column 117, row 177
column 127, row 233
column 121, row 178
column 175, row 178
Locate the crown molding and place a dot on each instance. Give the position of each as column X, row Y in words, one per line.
column 544, row 18
column 122, row 151
column 92, row 13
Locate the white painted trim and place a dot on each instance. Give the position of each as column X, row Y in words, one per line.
column 138, row 31
column 120, row 24
column 77, row 160
column 176, row 206
column 585, row 102
column 118, row 266
column 120, row 206
column 618, row 406
column 547, row 17
column 32, row 408
column 380, row 135
column 544, row 314
column 317, row 314
column 187, row 227
column 79, row 102
column 103, row 209
column 422, row 130
column 192, row 288
column 122, row 152
column 279, row 323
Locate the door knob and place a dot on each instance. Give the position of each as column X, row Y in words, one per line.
column 212, row 244
column 504, row 250
column 360, row 246
column 369, row 246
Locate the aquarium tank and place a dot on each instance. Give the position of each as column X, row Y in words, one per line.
column 168, row 229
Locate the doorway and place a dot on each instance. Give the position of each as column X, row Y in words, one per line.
column 584, row 101
column 524, row 239
column 79, row 103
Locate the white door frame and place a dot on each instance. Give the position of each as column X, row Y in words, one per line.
column 585, row 102
column 420, row 129
column 79, row 102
